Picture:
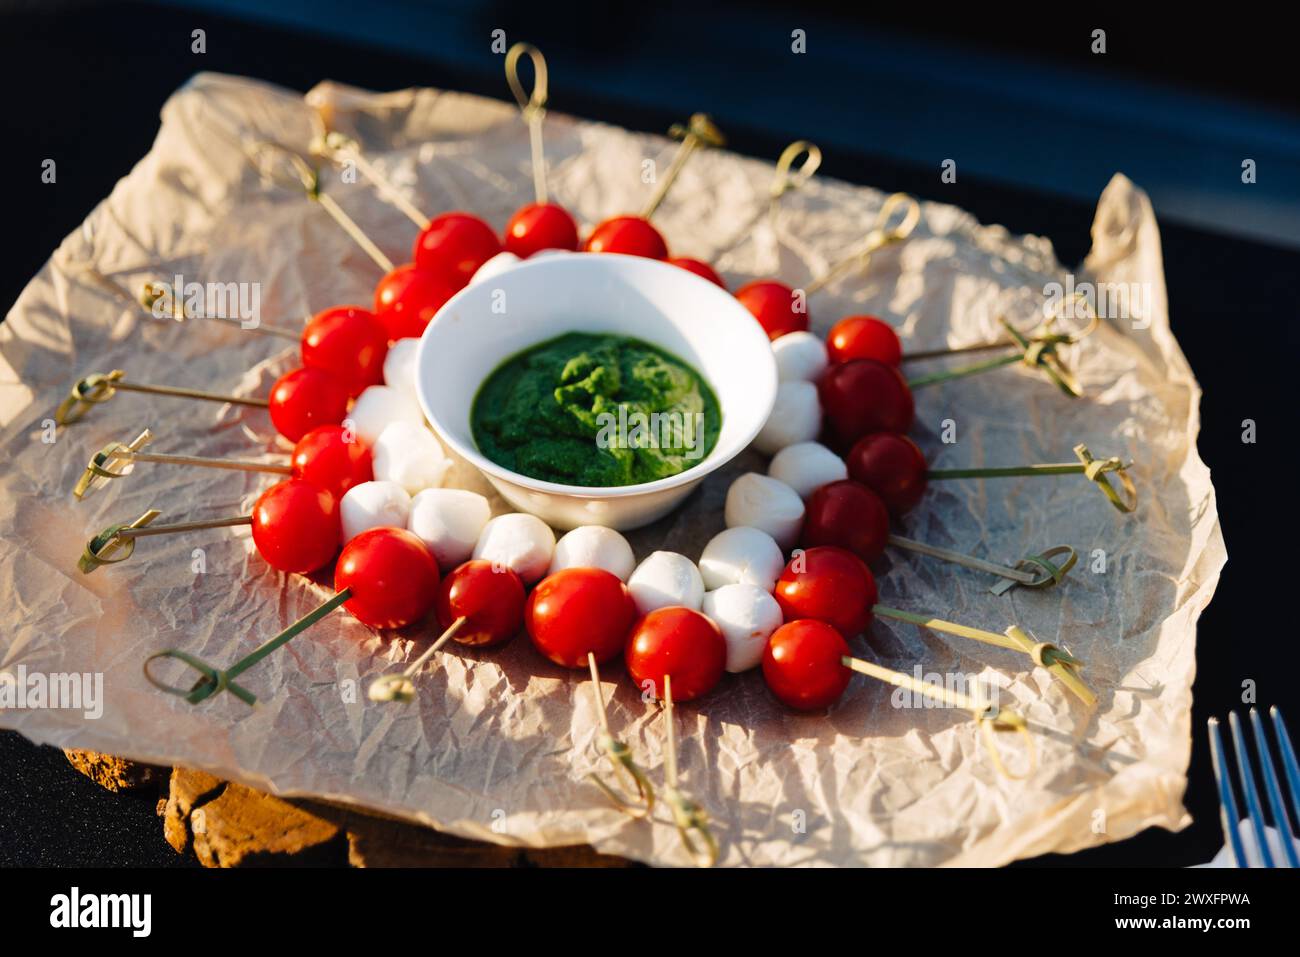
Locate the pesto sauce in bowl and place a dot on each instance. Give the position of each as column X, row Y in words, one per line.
column 595, row 410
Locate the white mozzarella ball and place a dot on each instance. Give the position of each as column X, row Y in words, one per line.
column 806, row 467
column 501, row 262
column 378, row 407
column 399, row 366
column 800, row 357
column 766, row 504
column 594, row 546
column 449, row 521
column 664, row 579
column 746, row 616
column 409, row 455
column 741, row 555
column 796, row 417
column 373, row 505
column 520, row 542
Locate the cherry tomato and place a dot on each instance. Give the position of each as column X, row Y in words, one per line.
column 296, row 526
column 700, row 268
column 630, row 235
column 303, row 399
column 539, row 226
column 407, row 298
column 349, row 343
column 679, row 642
column 864, row 337
column 775, row 306
column 454, row 246
column 490, row 599
column 392, row 577
column 578, row 610
column 863, row 396
column 848, row 514
column 803, row 665
column 332, row 458
column 891, row 466
column 828, row 584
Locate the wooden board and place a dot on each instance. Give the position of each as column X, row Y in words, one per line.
column 223, row 824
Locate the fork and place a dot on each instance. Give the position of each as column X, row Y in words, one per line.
column 1228, row 813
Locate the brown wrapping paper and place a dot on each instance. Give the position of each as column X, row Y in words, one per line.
column 498, row 743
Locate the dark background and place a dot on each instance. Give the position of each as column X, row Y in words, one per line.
column 1035, row 121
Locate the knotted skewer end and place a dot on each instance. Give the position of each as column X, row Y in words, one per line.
column 692, row 825
column 620, row 755
column 993, row 719
column 701, row 128
column 99, row 469
column 91, row 390
column 1099, row 470
column 392, row 688
column 788, row 176
column 212, row 681
column 1052, row 572
column 109, row 542
column 635, row 805
column 1062, row 665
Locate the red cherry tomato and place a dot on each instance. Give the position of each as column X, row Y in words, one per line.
column 864, row 337
column 490, row 599
column 454, row 246
column 828, row 584
column 578, row 610
column 803, row 665
column 891, row 466
column 349, row 343
column 775, row 306
column 332, row 458
column 296, row 526
column 539, row 226
column 701, row 269
column 303, row 399
column 863, row 396
column 392, row 577
column 848, row 514
column 679, row 642
column 630, row 235
column 407, row 298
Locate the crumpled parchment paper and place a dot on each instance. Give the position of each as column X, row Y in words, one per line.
column 498, row 743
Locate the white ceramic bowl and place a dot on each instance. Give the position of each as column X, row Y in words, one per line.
column 486, row 323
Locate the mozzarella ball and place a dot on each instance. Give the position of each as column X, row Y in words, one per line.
column 373, row 505
column 741, row 554
column 520, row 542
column 766, row 504
column 399, row 366
column 796, row 417
column 379, row 406
column 800, row 357
column 806, row 467
column 410, row 456
column 746, row 616
column 664, row 579
column 501, row 262
column 594, row 546
column 449, row 521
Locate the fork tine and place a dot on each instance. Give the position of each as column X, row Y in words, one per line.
column 1288, row 760
column 1246, row 773
column 1228, row 815
column 1280, row 819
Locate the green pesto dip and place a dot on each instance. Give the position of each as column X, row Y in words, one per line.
column 595, row 410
